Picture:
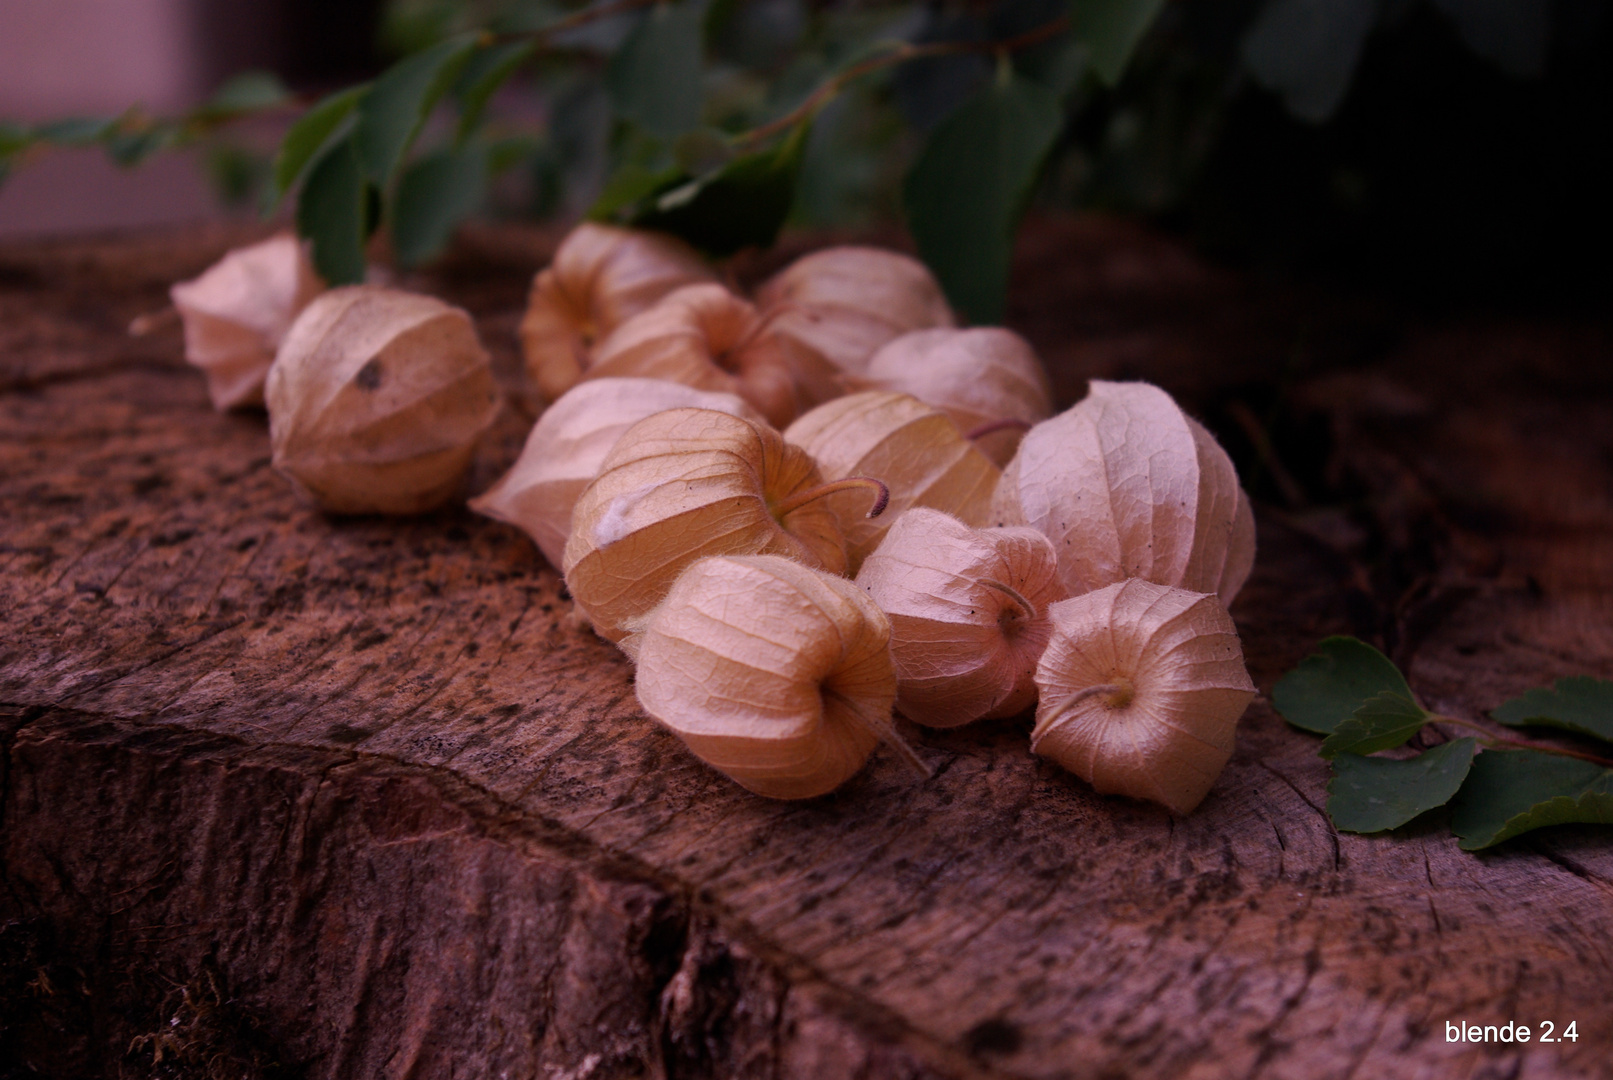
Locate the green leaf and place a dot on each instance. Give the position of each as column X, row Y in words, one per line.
column 1372, row 794
column 434, row 195
column 1111, row 29
column 484, row 73
column 742, row 204
column 1579, row 704
column 630, row 189
column 130, row 148
column 965, row 194
column 655, row 79
column 1514, row 791
column 1307, row 50
column 392, row 113
column 313, row 130
column 76, row 131
column 13, row 137
column 1383, row 722
column 246, row 92
column 333, row 212
column 1330, row 684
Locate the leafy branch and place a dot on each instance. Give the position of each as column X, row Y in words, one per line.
column 1354, row 695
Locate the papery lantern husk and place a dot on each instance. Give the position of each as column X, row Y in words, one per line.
column 968, row 612
column 915, row 450
column 600, row 277
column 569, row 442
column 377, row 399
column 979, row 377
column 679, row 486
column 706, row 337
column 844, row 303
column 237, row 312
column 1125, row 484
column 1141, row 688
column 774, row 673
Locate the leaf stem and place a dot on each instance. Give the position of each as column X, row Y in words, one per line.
column 1498, row 741
column 900, row 53
column 1013, row 594
column 882, row 495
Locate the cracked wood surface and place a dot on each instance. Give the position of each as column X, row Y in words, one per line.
column 368, row 771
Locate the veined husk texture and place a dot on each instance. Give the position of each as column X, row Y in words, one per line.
column 978, row 376
column 845, row 302
column 1175, row 659
column 377, row 399
column 676, row 487
column 569, row 442
column 968, row 611
column 917, row 451
column 1126, row 484
column 600, row 277
column 772, row 672
column 236, row 313
column 706, row 337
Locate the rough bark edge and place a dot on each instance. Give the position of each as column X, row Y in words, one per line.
column 648, row 977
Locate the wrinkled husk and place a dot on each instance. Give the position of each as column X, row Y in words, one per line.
column 601, row 276
column 772, row 672
column 676, row 487
column 566, row 446
column 1125, row 484
column 1177, row 661
column 964, row 648
column 377, row 399
column 706, row 337
column 843, row 303
column 978, row 377
column 236, row 313
column 915, row 450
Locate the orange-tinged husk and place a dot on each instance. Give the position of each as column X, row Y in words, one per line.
column 1125, row 484
column 1141, row 689
column 981, row 376
column 706, row 337
column 968, row 612
column 915, row 450
column 569, row 442
column 600, row 277
column 377, row 399
column 676, row 487
column 777, row 674
column 236, row 313
column 844, row 303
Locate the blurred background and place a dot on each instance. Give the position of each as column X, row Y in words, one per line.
column 1441, row 147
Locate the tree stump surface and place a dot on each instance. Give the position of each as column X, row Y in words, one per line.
column 353, row 798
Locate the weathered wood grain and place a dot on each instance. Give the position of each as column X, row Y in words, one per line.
column 368, row 773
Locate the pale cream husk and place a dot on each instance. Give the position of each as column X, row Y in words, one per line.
column 1125, row 484
column 916, row 451
column 600, row 277
column 1174, row 684
column 843, row 303
column 377, row 399
column 979, row 377
column 968, row 612
column 236, row 313
column 774, row 673
column 566, row 446
column 676, row 487
column 706, row 337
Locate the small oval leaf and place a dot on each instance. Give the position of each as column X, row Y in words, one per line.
column 313, row 130
column 965, row 194
column 1514, row 791
column 434, row 195
column 655, row 78
column 392, row 113
column 333, row 213
column 1373, row 794
column 1330, row 684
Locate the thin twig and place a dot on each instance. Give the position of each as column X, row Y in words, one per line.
column 1498, row 741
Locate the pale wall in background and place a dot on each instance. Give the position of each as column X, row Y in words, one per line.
column 75, row 57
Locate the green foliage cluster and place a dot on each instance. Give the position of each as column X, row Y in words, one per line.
column 1497, row 787
column 719, row 119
